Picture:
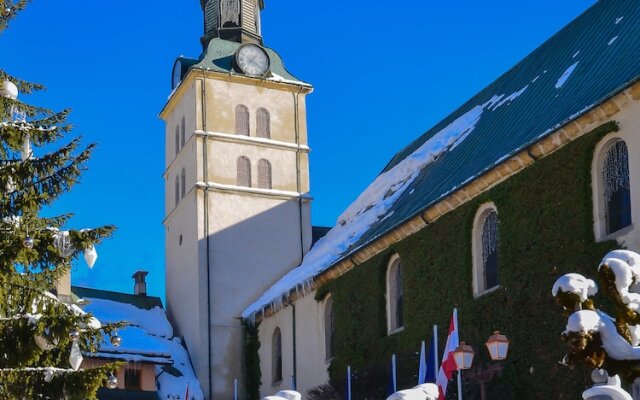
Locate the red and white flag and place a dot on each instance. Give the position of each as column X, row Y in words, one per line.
column 445, row 374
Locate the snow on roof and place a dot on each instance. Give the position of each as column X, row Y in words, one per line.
column 374, row 204
column 148, row 338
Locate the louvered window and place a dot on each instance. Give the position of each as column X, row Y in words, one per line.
column 183, row 186
column 177, row 140
column 243, row 177
column 212, row 16
column 617, row 187
column 264, row 174
column 329, row 341
column 182, row 133
column 490, row 240
column 276, row 356
column 177, row 190
column 395, row 295
column 242, row 120
column 263, row 123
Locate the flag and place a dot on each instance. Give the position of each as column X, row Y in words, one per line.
column 422, row 369
column 432, row 359
column 186, row 394
column 445, row 374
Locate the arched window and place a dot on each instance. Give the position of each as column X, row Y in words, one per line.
column 276, row 356
column 243, row 177
column 183, row 178
column 242, row 120
column 177, row 140
column 395, row 295
column 177, row 190
column 328, row 328
column 616, row 187
column 264, row 174
column 485, row 248
column 263, row 123
column 182, row 133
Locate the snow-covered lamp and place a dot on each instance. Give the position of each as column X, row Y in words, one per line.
column 463, row 355
column 498, row 346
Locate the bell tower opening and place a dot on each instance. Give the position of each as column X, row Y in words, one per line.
column 233, row 20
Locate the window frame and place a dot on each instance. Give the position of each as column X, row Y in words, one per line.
column 600, row 205
column 328, row 329
column 276, row 357
column 393, row 324
column 479, row 267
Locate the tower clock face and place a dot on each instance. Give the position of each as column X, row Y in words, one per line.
column 252, row 60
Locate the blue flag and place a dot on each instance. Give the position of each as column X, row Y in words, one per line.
column 432, row 360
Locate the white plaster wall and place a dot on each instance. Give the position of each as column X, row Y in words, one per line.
column 310, row 352
column 629, row 123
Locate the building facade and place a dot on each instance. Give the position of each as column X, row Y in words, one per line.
column 236, row 186
column 532, row 178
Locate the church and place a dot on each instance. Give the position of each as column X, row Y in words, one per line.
column 531, row 178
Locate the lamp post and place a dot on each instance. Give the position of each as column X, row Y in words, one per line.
column 498, row 347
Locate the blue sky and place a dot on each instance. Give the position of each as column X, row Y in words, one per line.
column 383, row 74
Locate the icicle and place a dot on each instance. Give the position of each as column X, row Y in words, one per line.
column 90, row 256
column 75, row 358
column 489, row 236
column 26, row 152
column 616, row 169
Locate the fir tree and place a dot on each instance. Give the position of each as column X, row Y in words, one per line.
column 41, row 337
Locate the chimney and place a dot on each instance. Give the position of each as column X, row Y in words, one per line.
column 63, row 287
column 140, row 286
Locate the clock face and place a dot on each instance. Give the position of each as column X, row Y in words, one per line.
column 253, row 60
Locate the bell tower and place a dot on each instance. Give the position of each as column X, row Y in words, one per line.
column 234, row 20
column 237, row 204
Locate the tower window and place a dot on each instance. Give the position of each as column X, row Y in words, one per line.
column 243, row 177
column 329, row 341
column 183, row 186
column 242, row 120
column 182, row 133
column 395, row 295
column 276, row 356
column 264, row 174
column 617, row 189
column 177, row 140
column 263, row 123
column 177, row 190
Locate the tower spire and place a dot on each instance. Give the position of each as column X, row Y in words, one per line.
column 234, row 20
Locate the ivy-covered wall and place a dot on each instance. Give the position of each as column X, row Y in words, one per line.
column 546, row 230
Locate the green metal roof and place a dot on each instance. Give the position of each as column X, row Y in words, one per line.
column 219, row 57
column 604, row 42
column 143, row 302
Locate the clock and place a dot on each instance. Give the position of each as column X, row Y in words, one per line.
column 252, row 59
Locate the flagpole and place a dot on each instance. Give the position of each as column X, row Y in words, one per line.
column 435, row 347
column 393, row 372
column 349, row 382
column 455, row 324
column 235, row 389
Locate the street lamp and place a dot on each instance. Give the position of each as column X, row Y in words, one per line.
column 498, row 346
column 463, row 356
